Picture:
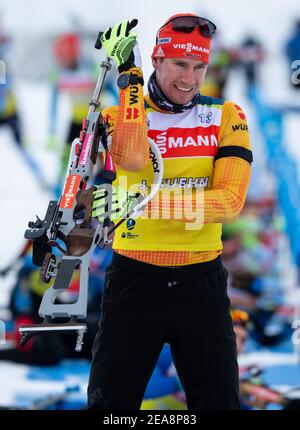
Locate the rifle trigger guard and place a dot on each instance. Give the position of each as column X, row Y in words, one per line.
column 57, row 245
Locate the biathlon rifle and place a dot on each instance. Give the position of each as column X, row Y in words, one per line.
column 69, row 227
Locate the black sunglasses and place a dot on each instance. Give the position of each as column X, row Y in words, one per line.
column 187, row 24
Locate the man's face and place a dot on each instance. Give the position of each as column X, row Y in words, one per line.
column 179, row 78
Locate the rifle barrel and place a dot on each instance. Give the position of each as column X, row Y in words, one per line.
column 95, row 103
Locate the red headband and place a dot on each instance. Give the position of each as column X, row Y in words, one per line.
column 176, row 44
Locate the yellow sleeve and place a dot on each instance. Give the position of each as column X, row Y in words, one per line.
column 225, row 200
column 130, row 147
column 234, row 128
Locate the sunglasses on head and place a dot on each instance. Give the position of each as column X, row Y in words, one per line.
column 187, row 24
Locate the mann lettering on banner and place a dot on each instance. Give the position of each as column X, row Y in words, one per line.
column 178, row 142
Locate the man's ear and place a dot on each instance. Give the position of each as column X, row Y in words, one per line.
column 155, row 63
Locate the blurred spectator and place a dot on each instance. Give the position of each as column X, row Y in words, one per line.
column 8, row 105
column 251, row 253
column 24, row 304
column 254, row 394
column 248, row 56
column 218, row 70
column 240, row 320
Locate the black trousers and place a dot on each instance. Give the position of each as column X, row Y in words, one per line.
column 145, row 306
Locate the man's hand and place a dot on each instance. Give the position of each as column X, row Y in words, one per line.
column 122, row 202
column 118, row 42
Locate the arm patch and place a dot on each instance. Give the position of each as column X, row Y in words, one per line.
column 235, row 151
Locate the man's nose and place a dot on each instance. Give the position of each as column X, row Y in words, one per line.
column 188, row 76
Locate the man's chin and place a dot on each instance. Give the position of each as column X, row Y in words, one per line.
column 181, row 100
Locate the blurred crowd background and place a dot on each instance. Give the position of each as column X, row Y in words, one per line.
column 48, row 71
